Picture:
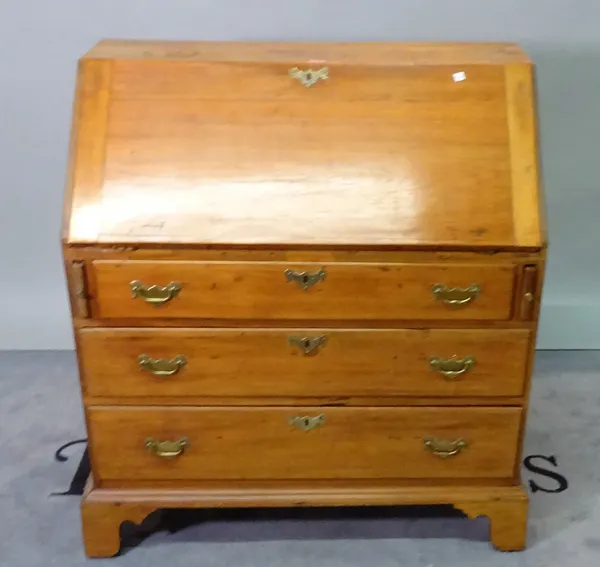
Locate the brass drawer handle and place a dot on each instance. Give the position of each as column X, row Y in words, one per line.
column 162, row 366
column 443, row 448
column 167, row 449
column 456, row 296
column 452, row 368
column 306, row 423
column 155, row 294
column 308, row 345
column 309, row 77
column 305, row 280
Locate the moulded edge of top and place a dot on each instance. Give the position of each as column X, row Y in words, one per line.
column 371, row 53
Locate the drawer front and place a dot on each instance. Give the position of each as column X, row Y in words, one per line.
column 303, row 362
column 303, row 443
column 305, row 291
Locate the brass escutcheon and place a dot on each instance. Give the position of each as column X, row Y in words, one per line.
column 306, row 423
column 309, row 77
column 305, row 280
column 308, row 345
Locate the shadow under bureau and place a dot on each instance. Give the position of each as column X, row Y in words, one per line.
column 304, row 275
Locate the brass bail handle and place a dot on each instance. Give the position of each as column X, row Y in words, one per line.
column 309, row 77
column 155, row 294
column 452, row 368
column 456, row 296
column 167, row 449
column 162, row 367
column 444, row 448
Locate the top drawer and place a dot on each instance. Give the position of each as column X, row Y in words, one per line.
column 302, row 291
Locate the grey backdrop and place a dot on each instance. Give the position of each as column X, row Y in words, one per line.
column 41, row 40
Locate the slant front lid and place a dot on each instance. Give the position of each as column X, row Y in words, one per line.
column 291, row 145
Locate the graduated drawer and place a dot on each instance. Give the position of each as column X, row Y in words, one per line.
column 145, row 443
column 302, row 291
column 303, row 362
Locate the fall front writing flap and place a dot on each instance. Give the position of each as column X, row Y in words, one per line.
column 387, row 145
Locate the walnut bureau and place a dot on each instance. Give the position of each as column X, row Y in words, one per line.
column 304, row 274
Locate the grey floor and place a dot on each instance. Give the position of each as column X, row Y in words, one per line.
column 40, row 410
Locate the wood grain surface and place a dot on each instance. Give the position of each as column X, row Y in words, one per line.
column 363, row 53
column 218, row 150
column 85, row 174
column 260, row 443
column 529, row 208
column 209, row 164
column 104, row 510
column 257, row 290
column 262, row 363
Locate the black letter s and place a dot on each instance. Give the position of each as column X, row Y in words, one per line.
column 562, row 481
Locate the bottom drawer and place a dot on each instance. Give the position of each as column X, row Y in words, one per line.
column 302, row 443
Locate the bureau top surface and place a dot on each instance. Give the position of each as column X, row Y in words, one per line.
column 357, row 145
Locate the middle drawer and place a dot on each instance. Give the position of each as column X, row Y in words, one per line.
column 303, row 362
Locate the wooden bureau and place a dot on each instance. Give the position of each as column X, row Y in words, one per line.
column 304, row 275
